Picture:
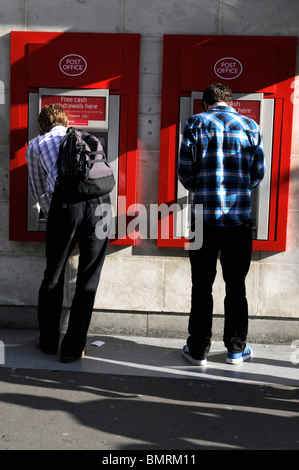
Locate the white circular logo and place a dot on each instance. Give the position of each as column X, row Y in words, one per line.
column 73, row 64
column 228, row 68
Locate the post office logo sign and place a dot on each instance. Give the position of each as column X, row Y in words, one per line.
column 73, row 65
column 228, row 68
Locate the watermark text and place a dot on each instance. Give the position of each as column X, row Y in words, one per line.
column 152, row 222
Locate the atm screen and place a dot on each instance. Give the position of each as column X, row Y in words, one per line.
column 86, row 108
column 248, row 108
column 80, row 109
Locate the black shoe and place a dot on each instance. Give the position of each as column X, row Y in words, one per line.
column 68, row 359
column 45, row 350
column 197, row 362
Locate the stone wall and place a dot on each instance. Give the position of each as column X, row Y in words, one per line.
column 145, row 289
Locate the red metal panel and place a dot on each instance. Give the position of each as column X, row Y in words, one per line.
column 126, row 175
column 111, row 60
column 268, row 66
column 239, row 64
column 275, row 169
column 101, row 70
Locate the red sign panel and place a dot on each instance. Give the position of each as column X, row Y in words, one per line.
column 248, row 108
column 74, row 65
column 236, row 65
column 80, row 109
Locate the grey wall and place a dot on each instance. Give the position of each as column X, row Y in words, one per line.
column 144, row 289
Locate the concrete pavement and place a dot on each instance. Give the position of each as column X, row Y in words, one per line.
column 139, row 394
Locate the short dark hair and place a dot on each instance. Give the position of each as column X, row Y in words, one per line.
column 217, row 92
column 52, row 115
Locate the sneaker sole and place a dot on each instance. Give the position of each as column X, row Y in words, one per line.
column 196, row 362
column 239, row 360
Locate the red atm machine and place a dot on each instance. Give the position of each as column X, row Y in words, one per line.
column 260, row 72
column 95, row 77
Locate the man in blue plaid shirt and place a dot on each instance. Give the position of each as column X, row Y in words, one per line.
column 221, row 160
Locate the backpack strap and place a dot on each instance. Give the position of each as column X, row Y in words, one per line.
column 59, row 158
column 99, row 152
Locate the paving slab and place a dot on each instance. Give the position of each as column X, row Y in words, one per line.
column 135, row 394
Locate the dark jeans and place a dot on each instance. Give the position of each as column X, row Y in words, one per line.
column 235, row 246
column 67, row 225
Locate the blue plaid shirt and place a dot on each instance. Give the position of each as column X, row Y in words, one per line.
column 41, row 156
column 221, row 159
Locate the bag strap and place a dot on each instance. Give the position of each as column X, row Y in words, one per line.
column 99, row 152
column 59, row 158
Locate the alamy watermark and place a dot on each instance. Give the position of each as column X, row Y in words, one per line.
column 295, row 353
column 2, row 92
column 141, row 222
column 2, row 353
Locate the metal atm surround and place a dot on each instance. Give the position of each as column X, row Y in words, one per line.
column 107, row 132
column 261, row 194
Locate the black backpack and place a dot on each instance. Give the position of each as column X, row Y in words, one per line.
column 81, row 175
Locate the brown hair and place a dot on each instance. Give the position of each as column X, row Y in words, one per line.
column 52, row 115
column 217, row 92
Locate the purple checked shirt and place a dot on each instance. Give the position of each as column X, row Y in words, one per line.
column 41, row 157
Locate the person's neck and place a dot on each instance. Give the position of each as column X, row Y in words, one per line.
column 219, row 103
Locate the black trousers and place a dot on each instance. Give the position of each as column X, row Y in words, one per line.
column 67, row 225
column 235, row 246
